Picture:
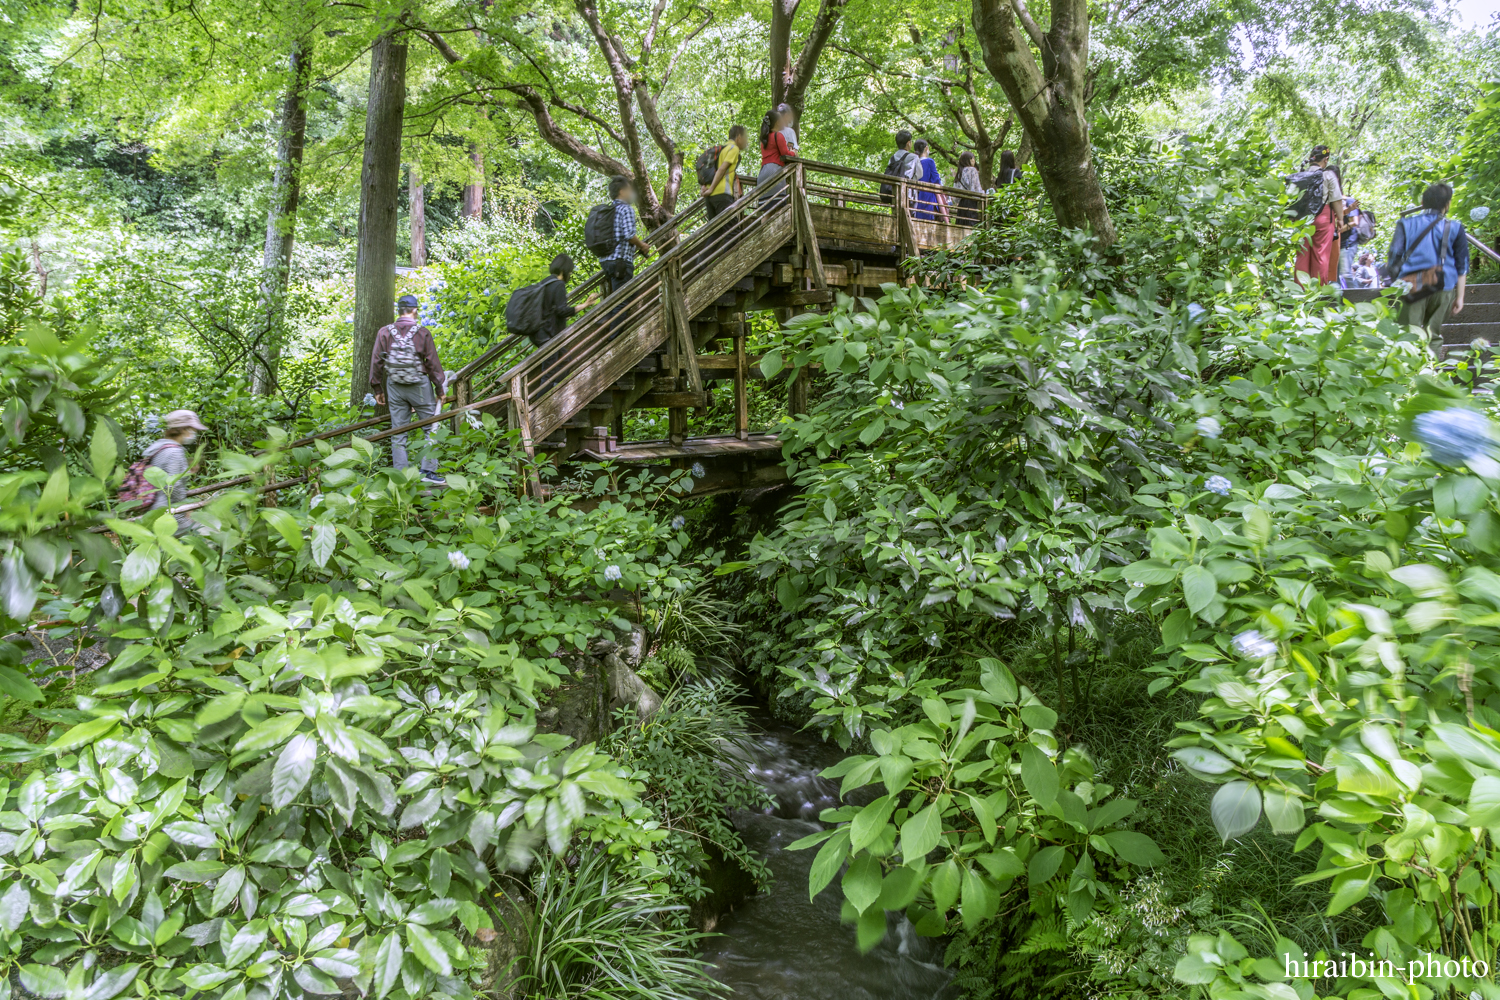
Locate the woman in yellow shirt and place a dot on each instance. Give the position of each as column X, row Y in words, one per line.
column 725, row 189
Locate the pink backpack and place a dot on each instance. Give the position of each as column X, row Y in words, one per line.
column 135, row 489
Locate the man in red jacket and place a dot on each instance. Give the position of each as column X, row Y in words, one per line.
column 406, row 373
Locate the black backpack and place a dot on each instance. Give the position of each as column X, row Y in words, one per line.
column 599, row 230
column 1308, row 186
column 894, row 168
column 708, row 164
column 523, row 313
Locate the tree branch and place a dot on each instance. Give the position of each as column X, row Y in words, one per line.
column 561, row 139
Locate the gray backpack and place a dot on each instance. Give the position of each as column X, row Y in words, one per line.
column 403, row 365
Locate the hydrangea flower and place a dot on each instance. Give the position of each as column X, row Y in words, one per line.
column 612, row 573
column 698, row 471
column 1217, row 484
column 1252, row 645
column 1455, row 435
column 370, row 399
column 1209, row 427
column 1479, row 213
column 678, row 522
column 458, row 560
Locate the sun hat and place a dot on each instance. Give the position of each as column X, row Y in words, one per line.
column 178, row 419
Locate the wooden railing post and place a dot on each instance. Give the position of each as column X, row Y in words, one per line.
column 520, row 419
column 462, row 391
column 802, row 225
column 741, row 377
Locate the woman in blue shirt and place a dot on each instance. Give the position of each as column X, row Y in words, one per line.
column 1431, row 239
column 930, row 204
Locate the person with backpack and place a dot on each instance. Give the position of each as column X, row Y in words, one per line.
column 618, row 264
column 966, row 177
column 1429, row 258
column 930, row 204
column 722, row 187
column 1350, row 239
column 775, row 151
column 1322, row 198
column 406, row 375
column 903, row 165
column 169, row 453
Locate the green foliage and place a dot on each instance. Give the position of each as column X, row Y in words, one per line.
column 977, row 795
column 598, row 933
column 690, row 755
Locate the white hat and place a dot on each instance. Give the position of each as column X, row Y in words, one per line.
column 179, row 419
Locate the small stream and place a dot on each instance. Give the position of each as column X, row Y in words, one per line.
column 780, row 946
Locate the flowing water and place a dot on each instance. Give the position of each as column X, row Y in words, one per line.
column 780, row 946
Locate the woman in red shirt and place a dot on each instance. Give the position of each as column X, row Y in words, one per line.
column 774, row 149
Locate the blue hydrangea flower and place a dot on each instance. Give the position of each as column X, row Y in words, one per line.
column 1209, row 427
column 612, row 573
column 1217, row 484
column 1455, row 435
column 678, row 522
column 1253, row 646
column 369, row 399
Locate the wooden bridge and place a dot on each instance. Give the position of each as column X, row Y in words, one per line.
column 665, row 338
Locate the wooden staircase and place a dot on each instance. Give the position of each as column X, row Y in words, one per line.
column 680, row 324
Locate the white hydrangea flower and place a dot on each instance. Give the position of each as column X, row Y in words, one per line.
column 612, row 573
column 458, row 560
column 1251, row 645
column 1209, row 427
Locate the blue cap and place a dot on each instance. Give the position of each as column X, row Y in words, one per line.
column 408, row 302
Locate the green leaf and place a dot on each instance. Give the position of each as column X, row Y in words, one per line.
column 285, row 524
column 1044, row 864
column 44, row 980
column 103, row 451
column 921, row 833
column 434, row 911
column 428, row 949
column 113, row 982
column 1484, row 802
column 1199, row 588
column 83, row 734
column 139, row 569
column 227, row 889
column 870, row 822
column 15, row 685
column 387, row 966
column 1283, row 811
column 324, row 538
column 1236, row 809
column 293, row 770
column 1039, row 776
column 1204, row 760
column 826, row 865
column 1136, row 848
column 946, row 879
column 872, row 431
column 269, row 733
column 196, row 871
column 862, row 882
column 1351, row 887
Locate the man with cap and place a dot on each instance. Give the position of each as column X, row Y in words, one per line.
column 406, row 374
column 180, row 429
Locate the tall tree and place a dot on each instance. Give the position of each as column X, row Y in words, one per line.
column 790, row 77
column 416, row 215
column 1049, row 100
column 379, row 194
column 281, row 219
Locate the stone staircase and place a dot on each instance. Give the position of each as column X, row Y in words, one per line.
column 1479, row 320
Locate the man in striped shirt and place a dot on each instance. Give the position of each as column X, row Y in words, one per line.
column 619, row 266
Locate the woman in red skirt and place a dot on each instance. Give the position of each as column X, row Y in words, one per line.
column 1319, row 256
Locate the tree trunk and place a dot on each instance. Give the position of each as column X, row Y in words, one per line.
column 379, row 196
column 1049, row 101
column 791, row 78
column 1023, row 150
column 281, row 222
column 473, row 206
column 416, row 213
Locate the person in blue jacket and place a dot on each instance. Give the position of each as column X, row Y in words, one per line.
column 1431, row 239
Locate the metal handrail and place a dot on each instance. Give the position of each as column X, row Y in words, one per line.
column 1492, row 255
